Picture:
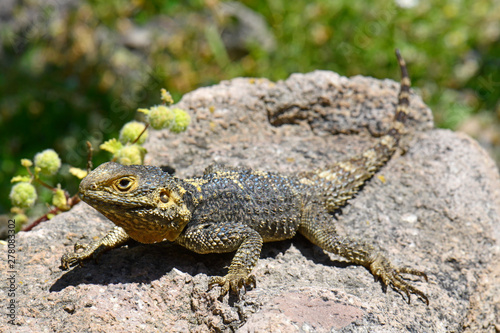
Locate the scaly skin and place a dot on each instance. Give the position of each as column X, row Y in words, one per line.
column 236, row 209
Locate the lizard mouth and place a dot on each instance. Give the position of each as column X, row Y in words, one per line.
column 98, row 201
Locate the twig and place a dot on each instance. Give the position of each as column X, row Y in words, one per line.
column 71, row 202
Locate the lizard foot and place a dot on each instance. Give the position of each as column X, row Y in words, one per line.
column 382, row 269
column 233, row 281
column 114, row 238
column 73, row 258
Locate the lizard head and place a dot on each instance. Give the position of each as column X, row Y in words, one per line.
column 145, row 201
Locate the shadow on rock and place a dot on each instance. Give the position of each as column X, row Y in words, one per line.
column 141, row 263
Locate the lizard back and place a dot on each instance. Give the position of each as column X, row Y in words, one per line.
column 267, row 202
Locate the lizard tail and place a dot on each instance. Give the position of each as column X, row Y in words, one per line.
column 403, row 100
column 341, row 181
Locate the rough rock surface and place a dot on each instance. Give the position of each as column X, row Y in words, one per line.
column 436, row 207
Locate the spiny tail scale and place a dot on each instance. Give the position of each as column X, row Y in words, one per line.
column 342, row 180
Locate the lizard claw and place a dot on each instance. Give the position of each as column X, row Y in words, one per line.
column 71, row 259
column 232, row 281
column 79, row 246
column 382, row 269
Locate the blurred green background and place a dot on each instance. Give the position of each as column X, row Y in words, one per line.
column 73, row 70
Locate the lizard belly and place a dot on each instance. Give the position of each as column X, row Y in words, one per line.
column 277, row 230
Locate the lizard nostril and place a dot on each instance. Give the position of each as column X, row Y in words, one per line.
column 93, row 187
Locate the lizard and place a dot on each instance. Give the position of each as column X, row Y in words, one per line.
column 236, row 209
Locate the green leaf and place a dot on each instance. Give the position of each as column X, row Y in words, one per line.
column 78, row 173
column 59, row 199
column 20, row 179
column 113, row 146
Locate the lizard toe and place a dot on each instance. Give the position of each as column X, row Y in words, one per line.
column 233, row 282
column 382, row 269
column 69, row 260
column 79, row 246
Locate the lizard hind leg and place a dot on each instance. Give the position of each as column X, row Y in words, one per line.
column 325, row 236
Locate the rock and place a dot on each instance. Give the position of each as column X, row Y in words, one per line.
column 435, row 206
column 4, row 226
column 241, row 27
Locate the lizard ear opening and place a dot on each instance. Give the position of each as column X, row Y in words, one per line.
column 164, row 196
column 169, row 196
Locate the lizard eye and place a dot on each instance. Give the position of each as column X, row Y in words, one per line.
column 123, row 184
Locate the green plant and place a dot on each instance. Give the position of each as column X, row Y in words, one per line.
column 83, row 83
column 128, row 150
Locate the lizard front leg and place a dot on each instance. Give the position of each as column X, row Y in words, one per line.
column 214, row 238
column 323, row 233
column 114, row 238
